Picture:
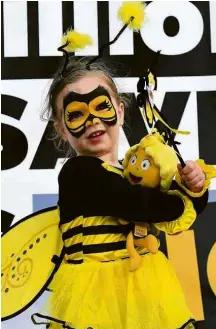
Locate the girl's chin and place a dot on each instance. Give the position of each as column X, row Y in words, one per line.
column 97, row 150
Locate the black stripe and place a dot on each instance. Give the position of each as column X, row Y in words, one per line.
column 67, row 15
column 74, row 248
column 95, row 248
column 103, row 20
column 75, row 261
column 103, row 247
column 2, row 30
column 105, row 229
column 94, row 230
column 72, row 232
column 33, row 29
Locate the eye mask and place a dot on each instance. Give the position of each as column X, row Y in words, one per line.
column 81, row 108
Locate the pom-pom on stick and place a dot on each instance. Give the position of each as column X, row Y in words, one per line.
column 135, row 9
column 101, row 49
column 72, row 41
column 132, row 15
column 76, row 40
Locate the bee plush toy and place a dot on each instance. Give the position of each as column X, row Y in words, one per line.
column 153, row 163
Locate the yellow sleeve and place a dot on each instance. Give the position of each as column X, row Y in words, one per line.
column 209, row 172
column 182, row 223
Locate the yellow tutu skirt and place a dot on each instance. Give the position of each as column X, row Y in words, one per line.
column 105, row 295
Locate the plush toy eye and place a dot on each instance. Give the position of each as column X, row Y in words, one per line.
column 145, row 164
column 133, row 160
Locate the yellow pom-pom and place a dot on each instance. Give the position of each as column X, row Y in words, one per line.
column 135, row 9
column 77, row 40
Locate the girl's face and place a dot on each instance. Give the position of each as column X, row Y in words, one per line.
column 90, row 116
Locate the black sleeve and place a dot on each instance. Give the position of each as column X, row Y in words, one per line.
column 87, row 189
column 198, row 203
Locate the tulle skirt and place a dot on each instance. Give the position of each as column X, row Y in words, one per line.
column 106, row 295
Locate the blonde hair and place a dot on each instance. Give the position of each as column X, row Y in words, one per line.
column 162, row 154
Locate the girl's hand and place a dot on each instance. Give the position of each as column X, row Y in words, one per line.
column 192, row 175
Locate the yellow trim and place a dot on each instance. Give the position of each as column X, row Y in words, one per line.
column 101, row 220
column 73, row 223
column 74, row 256
column 209, row 171
column 89, row 221
column 112, row 169
column 184, row 222
column 176, row 131
column 103, row 238
column 78, row 238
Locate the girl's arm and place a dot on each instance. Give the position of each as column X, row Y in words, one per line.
column 87, row 189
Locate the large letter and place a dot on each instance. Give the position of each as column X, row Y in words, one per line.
column 212, row 8
column 15, row 29
column 6, row 220
column 211, row 268
column 50, row 27
column 46, row 155
column 182, row 254
column 190, row 27
column 15, row 145
column 85, row 21
column 206, row 104
column 134, row 126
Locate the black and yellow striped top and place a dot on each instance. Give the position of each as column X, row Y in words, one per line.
column 93, row 196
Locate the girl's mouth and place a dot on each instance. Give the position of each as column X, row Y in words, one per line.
column 96, row 135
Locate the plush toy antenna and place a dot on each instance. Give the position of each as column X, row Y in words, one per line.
column 143, row 101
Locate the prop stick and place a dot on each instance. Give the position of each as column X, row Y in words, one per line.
column 101, row 49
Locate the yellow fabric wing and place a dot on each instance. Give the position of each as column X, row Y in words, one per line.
column 27, row 267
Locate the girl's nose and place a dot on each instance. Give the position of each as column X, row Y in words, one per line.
column 92, row 122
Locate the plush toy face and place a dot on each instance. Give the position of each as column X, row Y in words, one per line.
column 142, row 170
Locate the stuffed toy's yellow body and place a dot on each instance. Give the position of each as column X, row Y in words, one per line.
column 153, row 163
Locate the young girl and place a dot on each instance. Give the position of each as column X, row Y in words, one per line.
column 94, row 288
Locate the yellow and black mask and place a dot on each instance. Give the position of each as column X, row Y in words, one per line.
column 80, row 110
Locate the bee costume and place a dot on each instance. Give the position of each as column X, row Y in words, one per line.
column 78, row 250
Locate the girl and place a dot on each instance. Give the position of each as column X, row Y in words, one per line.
column 93, row 288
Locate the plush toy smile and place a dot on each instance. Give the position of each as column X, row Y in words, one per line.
column 135, row 179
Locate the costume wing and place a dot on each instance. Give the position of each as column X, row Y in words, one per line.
column 27, row 267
